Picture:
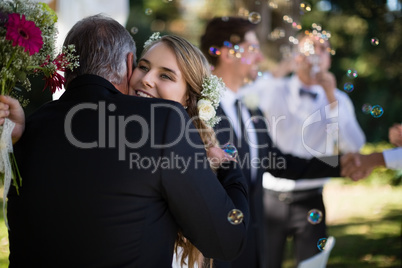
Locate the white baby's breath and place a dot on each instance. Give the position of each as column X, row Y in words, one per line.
column 212, row 90
column 155, row 36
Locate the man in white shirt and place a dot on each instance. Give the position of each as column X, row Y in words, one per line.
column 308, row 117
column 232, row 48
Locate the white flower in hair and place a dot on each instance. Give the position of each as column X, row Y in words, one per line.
column 205, row 110
column 155, row 36
column 212, row 90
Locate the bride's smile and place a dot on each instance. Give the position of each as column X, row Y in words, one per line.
column 141, row 93
column 158, row 75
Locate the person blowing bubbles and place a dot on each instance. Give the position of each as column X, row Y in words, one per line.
column 308, row 117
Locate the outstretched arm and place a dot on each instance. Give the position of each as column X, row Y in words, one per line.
column 358, row 166
column 11, row 108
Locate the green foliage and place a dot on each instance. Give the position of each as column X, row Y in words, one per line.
column 151, row 16
column 4, row 251
column 366, row 223
column 353, row 24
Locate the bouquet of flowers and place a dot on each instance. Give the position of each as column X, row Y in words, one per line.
column 27, row 47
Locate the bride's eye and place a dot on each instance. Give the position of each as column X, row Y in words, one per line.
column 143, row 67
column 165, row 76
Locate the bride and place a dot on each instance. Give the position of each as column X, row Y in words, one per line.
column 172, row 68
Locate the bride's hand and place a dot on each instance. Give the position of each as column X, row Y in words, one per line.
column 216, row 156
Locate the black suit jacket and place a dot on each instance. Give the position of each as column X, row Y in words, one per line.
column 272, row 160
column 95, row 195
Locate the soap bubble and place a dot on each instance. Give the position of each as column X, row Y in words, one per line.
column 134, row 30
column 374, row 41
column 254, row 17
column 351, row 73
column 366, row 108
column 148, row 11
column 348, row 87
column 376, row 111
column 321, row 243
column 235, row 216
column 230, row 149
column 314, row 216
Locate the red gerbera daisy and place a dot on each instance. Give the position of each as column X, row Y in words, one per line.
column 24, row 33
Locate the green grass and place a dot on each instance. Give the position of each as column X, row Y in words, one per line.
column 366, row 221
column 4, row 252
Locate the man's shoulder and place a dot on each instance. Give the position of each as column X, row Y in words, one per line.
column 152, row 106
column 341, row 93
column 343, row 98
column 117, row 105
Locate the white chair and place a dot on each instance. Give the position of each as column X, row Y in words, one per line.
column 319, row 260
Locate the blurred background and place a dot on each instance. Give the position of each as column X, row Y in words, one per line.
column 366, row 37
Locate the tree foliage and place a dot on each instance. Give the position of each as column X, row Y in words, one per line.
column 352, row 25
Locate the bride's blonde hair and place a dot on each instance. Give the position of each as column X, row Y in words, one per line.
column 195, row 68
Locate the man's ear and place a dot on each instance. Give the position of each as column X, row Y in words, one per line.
column 130, row 65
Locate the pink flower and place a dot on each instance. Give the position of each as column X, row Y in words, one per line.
column 24, row 33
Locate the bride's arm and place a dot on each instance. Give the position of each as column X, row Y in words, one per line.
column 11, row 108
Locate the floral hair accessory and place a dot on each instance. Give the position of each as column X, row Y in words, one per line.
column 212, row 90
column 155, row 36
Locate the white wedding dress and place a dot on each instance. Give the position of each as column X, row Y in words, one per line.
column 176, row 261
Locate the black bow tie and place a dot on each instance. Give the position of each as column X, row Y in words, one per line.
column 305, row 92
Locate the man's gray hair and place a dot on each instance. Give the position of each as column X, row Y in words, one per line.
column 102, row 45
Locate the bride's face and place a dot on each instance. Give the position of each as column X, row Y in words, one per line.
column 158, row 76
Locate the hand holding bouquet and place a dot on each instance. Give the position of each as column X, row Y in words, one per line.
column 27, row 47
